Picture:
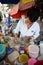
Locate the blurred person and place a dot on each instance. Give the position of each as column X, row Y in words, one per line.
column 28, row 26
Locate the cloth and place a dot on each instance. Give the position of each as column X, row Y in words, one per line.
column 40, row 62
column 24, row 31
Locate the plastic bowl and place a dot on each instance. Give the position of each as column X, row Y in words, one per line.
column 23, row 58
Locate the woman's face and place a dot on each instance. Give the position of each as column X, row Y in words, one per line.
column 28, row 22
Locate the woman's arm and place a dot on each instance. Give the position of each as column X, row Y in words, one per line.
column 15, row 37
column 27, row 38
column 16, row 32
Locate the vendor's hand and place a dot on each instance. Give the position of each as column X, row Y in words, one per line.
column 25, row 39
column 15, row 39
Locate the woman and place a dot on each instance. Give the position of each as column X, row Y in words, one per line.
column 28, row 27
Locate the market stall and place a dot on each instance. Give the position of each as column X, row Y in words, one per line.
column 17, row 50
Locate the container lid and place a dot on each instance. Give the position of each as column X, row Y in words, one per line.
column 9, row 50
column 2, row 48
column 33, row 48
column 13, row 56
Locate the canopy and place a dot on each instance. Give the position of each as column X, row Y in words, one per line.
column 20, row 8
column 19, row 14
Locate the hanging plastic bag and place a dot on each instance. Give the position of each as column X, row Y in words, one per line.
column 8, row 21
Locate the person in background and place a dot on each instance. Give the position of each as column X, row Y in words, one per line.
column 28, row 26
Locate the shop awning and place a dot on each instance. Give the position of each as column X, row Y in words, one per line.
column 20, row 8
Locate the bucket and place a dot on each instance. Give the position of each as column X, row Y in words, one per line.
column 2, row 51
column 33, row 51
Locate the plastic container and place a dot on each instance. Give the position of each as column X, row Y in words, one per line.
column 2, row 51
column 33, row 51
column 32, row 61
column 21, row 50
column 17, row 63
column 13, row 56
column 9, row 50
column 41, row 47
column 26, row 49
column 23, row 58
